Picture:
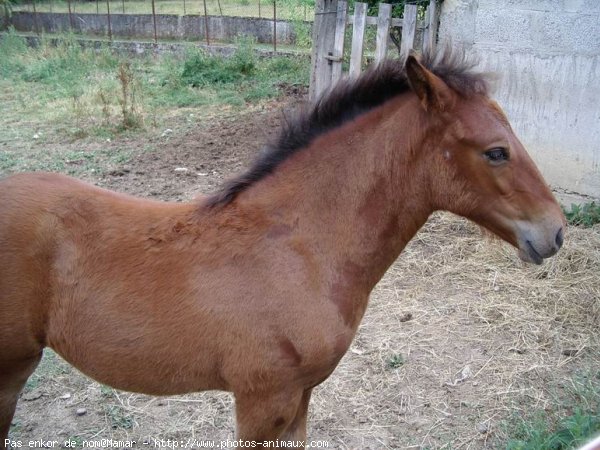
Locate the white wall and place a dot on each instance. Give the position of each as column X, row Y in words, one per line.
column 547, row 55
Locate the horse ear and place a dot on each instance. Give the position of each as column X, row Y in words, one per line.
column 435, row 95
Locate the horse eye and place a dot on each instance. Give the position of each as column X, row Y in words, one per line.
column 496, row 155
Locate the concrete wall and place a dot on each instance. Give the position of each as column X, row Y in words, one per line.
column 547, row 55
column 169, row 26
column 149, row 48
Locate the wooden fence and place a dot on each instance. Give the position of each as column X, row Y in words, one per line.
column 329, row 29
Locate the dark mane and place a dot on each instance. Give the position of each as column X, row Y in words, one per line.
column 347, row 100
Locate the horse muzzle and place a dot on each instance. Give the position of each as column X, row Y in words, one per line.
column 537, row 243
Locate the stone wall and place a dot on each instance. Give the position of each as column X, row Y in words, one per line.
column 137, row 48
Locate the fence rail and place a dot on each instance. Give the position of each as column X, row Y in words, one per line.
column 329, row 32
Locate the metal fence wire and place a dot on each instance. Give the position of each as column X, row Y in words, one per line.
column 206, row 10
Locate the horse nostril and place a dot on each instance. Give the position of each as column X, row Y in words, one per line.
column 559, row 238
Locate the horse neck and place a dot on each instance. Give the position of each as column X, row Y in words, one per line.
column 357, row 195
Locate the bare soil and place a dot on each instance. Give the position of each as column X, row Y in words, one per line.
column 459, row 337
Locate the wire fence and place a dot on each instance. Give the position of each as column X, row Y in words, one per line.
column 268, row 9
column 274, row 10
column 203, row 20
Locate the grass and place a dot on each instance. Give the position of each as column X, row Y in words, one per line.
column 118, row 418
column 50, row 94
column 569, row 423
column 572, row 431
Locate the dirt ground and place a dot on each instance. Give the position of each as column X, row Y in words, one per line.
column 459, row 339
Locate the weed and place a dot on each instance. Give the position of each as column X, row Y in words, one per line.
column 395, row 361
column 106, row 391
column 103, row 96
column 118, row 418
column 131, row 117
column 585, row 215
column 80, row 113
column 200, row 69
column 244, row 59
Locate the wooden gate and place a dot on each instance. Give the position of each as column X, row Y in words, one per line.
column 331, row 19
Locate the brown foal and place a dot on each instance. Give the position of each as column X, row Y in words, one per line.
column 259, row 289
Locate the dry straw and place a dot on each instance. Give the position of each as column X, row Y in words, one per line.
column 487, row 337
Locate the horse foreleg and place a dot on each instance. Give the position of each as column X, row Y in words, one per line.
column 296, row 430
column 264, row 417
column 13, row 376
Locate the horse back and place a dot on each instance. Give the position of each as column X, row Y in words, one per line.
column 42, row 215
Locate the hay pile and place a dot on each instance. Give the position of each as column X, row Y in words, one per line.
column 460, row 336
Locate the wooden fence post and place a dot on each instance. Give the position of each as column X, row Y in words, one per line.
column 409, row 30
column 35, row 19
column 70, row 16
column 154, row 22
column 206, row 33
column 108, row 20
column 430, row 32
column 358, row 34
column 329, row 32
column 274, row 26
column 323, row 39
column 384, row 20
column 337, row 58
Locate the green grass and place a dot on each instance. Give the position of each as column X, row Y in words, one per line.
column 61, row 93
column 118, row 417
column 585, row 215
column 567, row 423
column 570, row 433
column 69, row 73
column 239, row 79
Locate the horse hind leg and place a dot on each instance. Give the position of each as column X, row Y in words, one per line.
column 13, row 376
